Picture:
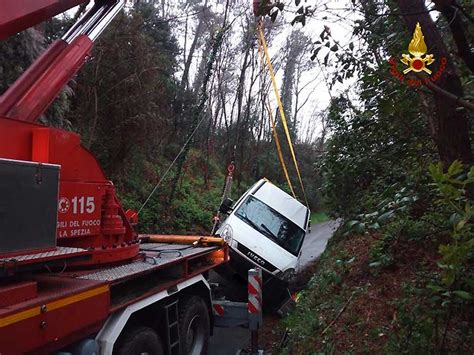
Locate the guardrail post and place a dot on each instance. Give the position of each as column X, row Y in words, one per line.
column 254, row 306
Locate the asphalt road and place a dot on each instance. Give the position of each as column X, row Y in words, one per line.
column 227, row 341
column 315, row 242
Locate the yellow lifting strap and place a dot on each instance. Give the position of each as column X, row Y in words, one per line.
column 274, row 131
column 280, row 153
column 280, row 108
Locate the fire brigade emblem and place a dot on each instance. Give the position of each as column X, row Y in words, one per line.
column 418, row 60
column 63, row 205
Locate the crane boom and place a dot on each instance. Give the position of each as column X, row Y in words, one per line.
column 90, row 215
column 17, row 16
column 36, row 89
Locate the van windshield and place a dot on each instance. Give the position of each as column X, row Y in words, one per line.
column 271, row 224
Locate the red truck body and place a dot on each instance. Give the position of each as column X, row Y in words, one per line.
column 49, row 311
column 52, row 297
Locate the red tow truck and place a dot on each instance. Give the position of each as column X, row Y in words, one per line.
column 75, row 276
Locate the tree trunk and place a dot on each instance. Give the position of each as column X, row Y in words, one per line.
column 451, row 126
column 450, row 11
column 187, row 64
column 197, row 112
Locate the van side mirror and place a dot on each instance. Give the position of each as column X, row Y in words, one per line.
column 226, row 206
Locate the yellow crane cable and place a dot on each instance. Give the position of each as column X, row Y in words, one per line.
column 280, row 153
column 274, row 131
column 280, row 108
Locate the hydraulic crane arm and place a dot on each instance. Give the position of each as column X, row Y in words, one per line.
column 36, row 89
column 89, row 213
column 16, row 16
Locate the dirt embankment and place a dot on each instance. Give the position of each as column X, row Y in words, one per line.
column 354, row 304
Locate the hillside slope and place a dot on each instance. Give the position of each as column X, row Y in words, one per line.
column 371, row 294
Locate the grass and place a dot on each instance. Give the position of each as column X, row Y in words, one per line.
column 318, row 217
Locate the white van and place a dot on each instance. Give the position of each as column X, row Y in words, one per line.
column 266, row 227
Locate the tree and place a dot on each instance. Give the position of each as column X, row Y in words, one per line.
column 450, row 9
column 450, row 124
column 295, row 48
column 200, row 29
column 124, row 95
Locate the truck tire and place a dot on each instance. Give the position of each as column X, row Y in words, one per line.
column 194, row 326
column 139, row 340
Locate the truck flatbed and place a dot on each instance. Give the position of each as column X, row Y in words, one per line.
column 58, row 307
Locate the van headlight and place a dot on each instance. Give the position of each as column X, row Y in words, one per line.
column 227, row 233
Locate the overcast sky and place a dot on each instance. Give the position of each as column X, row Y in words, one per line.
column 336, row 14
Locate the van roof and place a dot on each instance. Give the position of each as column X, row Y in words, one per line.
column 281, row 202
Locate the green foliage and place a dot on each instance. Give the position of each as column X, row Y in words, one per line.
column 415, row 326
column 194, row 208
column 458, row 254
column 371, row 150
column 381, row 255
column 318, row 297
column 422, row 324
column 393, row 203
column 124, row 95
column 195, row 203
column 132, row 113
column 375, row 175
column 318, row 217
column 427, row 243
column 380, row 143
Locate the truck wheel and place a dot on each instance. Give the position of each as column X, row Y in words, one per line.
column 194, row 326
column 138, row 341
